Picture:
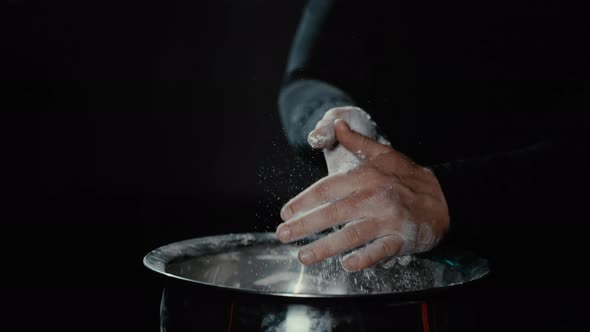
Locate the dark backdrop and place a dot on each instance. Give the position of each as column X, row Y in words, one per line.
column 126, row 125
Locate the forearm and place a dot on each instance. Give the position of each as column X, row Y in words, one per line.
column 303, row 103
column 315, row 80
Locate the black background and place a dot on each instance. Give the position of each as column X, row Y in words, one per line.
column 128, row 125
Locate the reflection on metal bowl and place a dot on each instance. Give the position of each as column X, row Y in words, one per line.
column 251, row 282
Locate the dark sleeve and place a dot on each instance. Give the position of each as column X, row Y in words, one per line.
column 532, row 198
column 326, row 67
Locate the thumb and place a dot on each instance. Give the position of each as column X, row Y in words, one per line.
column 357, row 143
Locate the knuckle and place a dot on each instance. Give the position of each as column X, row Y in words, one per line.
column 333, row 212
column 380, row 192
column 316, row 251
column 330, row 213
column 322, row 250
column 353, row 234
column 297, row 228
column 319, row 252
column 425, row 238
column 321, row 192
column 361, row 202
column 383, row 211
column 389, row 246
column 370, row 258
column 385, row 224
column 427, row 202
column 293, row 207
column 380, row 198
column 369, row 176
column 363, row 140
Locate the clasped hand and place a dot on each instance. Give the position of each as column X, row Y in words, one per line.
column 386, row 204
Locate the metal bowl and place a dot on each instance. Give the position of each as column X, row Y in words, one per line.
column 259, row 263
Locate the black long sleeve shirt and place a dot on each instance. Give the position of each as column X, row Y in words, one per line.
column 491, row 95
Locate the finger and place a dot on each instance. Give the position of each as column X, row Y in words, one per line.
column 373, row 253
column 354, row 234
column 323, row 136
column 324, row 217
column 327, row 189
column 358, row 143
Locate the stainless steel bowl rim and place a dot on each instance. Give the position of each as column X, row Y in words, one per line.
column 157, row 260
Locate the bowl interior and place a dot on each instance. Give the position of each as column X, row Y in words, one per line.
column 258, row 262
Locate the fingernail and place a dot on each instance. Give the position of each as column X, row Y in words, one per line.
column 284, row 233
column 306, row 256
column 286, row 213
column 351, row 262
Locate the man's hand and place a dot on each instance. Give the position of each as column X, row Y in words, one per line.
column 390, row 206
column 338, row 158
